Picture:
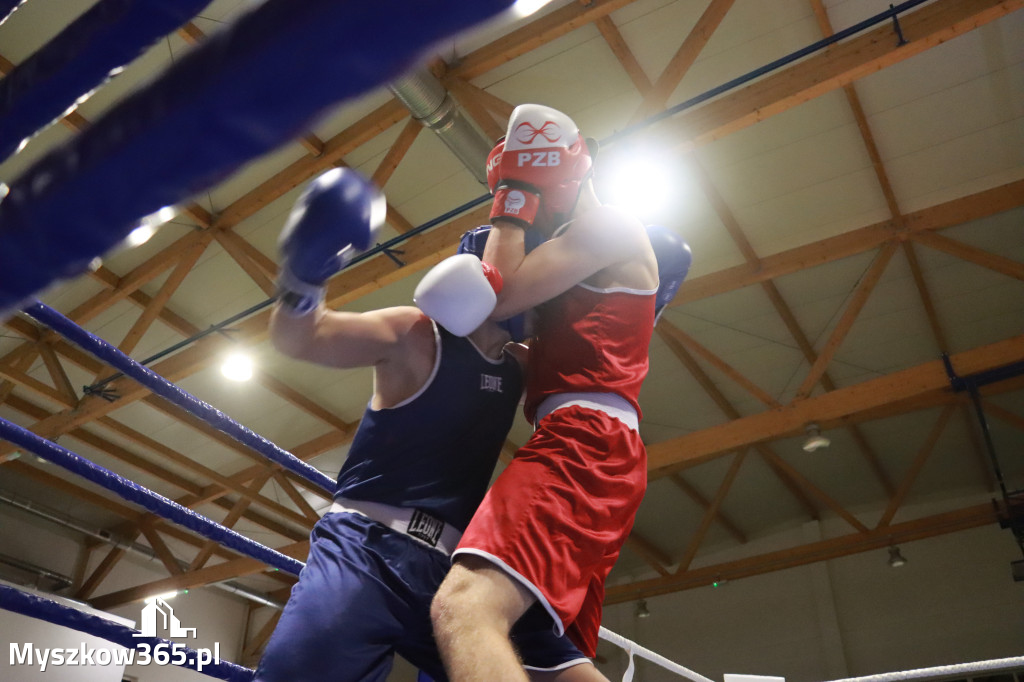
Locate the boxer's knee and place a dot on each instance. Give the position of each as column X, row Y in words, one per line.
column 475, row 594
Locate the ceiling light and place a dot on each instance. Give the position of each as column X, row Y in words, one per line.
column 641, row 609
column 237, row 367
column 642, row 184
column 162, row 597
column 140, row 235
column 815, row 440
column 148, row 226
column 524, row 8
column 895, row 558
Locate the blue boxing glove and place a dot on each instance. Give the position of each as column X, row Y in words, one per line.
column 674, row 260
column 335, row 219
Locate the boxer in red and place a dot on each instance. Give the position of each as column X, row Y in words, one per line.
column 552, row 525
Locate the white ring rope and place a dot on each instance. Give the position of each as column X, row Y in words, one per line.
column 941, row 671
column 632, row 648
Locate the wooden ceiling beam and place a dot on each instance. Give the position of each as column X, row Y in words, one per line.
column 690, row 491
column 193, row 490
column 858, row 299
column 495, row 105
column 473, row 101
column 102, row 570
column 927, row 302
column 859, row 439
column 296, row 497
column 364, row 130
column 19, row 365
column 972, row 254
column 160, row 548
column 1004, row 415
column 396, row 152
column 20, row 378
column 664, row 330
column 105, row 503
column 948, row 214
column 225, row 482
column 229, row 241
column 915, row 467
column 725, row 368
column 152, row 311
column 711, row 513
column 835, row 66
column 226, row 570
column 867, row 136
column 680, row 63
column 541, row 31
column 234, row 514
column 611, row 34
column 827, row 500
column 649, row 552
column 832, row 548
column 848, row 404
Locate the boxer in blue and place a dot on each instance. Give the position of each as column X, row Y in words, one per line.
column 417, row 468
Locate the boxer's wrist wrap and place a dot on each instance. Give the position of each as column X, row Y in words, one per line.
column 298, row 298
column 515, row 204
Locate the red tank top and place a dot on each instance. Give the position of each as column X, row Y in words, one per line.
column 590, row 340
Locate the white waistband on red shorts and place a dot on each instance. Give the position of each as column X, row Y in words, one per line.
column 417, row 524
column 612, row 404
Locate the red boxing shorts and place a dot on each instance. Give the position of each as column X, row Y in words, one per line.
column 557, row 517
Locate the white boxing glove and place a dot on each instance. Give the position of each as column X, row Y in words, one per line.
column 459, row 293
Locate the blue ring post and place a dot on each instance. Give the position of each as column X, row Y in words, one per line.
column 160, row 386
column 154, row 502
column 16, row 601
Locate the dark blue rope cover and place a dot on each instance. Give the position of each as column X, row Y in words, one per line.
column 109, row 35
column 160, row 386
column 50, row 611
column 203, row 118
column 149, row 500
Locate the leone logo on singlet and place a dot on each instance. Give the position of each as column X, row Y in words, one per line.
column 490, row 383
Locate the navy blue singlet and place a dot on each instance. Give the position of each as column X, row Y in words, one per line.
column 436, row 451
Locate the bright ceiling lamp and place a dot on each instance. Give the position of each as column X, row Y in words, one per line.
column 149, row 225
column 237, row 366
column 524, row 8
column 643, row 185
column 140, row 235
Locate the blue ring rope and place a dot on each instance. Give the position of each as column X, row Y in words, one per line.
column 109, row 35
column 34, row 606
column 206, row 116
column 160, row 386
column 154, row 502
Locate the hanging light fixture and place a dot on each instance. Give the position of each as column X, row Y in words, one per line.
column 815, row 440
column 641, row 609
column 896, row 559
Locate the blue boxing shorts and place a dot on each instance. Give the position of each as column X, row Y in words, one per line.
column 363, row 596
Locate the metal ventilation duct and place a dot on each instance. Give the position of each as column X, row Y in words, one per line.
column 424, row 95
